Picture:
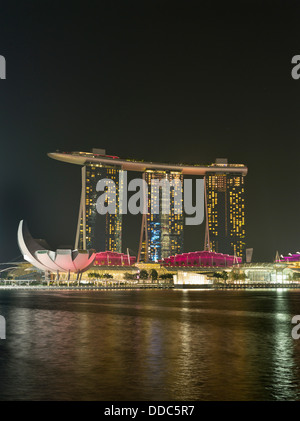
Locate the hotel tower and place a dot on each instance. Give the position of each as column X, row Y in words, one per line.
column 95, row 231
column 162, row 234
column 225, row 210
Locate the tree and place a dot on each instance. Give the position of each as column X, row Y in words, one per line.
column 144, row 274
column 4, row 275
column 93, row 275
column 296, row 276
column 166, row 276
column 218, row 275
column 129, row 276
column 237, row 276
column 154, row 274
column 225, row 275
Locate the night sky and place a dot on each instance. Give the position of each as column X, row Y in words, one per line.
column 155, row 80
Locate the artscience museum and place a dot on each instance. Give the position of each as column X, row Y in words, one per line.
column 62, row 260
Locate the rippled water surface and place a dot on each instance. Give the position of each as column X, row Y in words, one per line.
column 149, row 345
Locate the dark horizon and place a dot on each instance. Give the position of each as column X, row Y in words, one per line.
column 163, row 81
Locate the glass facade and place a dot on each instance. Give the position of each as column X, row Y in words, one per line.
column 265, row 273
column 164, row 230
column 226, row 213
column 103, row 232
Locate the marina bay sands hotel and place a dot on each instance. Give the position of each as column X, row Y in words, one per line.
column 161, row 235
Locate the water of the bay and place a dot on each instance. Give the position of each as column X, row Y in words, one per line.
column 150, row 345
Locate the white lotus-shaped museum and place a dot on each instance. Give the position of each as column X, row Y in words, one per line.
column 61, row 260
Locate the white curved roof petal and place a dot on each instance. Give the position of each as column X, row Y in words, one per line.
column 25, row 251
column 64, row 259
column 46, row 257
column 81, row 260
column 90, row 262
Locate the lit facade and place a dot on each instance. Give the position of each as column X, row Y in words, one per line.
column 226, row 212
column 109, row 258
column 182, row 278
column 100, row 232
column 164, row 231
column 269, row 273
column 201, row 259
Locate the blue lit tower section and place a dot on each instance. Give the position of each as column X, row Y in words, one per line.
column 99, row 232
column 164, row 232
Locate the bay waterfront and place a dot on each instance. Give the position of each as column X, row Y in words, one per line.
column 149, row 345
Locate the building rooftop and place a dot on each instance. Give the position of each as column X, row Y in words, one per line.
column 82, row 158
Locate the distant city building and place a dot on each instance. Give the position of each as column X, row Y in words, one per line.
column 295, row 257
column 225, row 196
column 162, row 232
column 249, row 254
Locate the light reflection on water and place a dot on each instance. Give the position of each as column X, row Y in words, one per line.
column 149, row 345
